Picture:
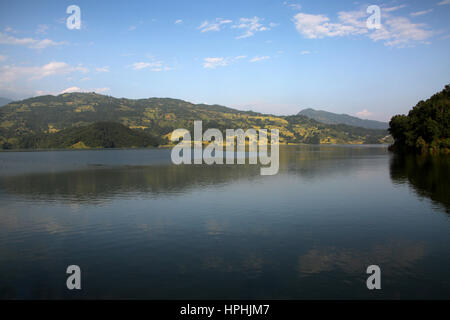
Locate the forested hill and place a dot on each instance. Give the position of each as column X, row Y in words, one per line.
column 334, row 118
column 160, row 116
column 97, row 135
column 426, row 128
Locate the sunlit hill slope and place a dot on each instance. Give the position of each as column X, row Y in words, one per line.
column 158, row 117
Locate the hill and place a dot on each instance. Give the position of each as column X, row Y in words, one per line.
column 334, row 118
column 160, row 116
column 97, row 135
column 426, row 128
column 4, row 101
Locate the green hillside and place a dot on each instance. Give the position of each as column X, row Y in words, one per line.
column 97, row 135
column 159, row 117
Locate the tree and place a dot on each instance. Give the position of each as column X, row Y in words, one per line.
column 426, row 127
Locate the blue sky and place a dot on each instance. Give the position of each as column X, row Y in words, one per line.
column 269, row 56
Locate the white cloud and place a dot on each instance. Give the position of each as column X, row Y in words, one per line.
column 295, row 6
column 40, row 92
column 391, row 9
column 29, row 42
column 77, row 89
column 365, row 113
column 356, row 19
column 71, row 89
column 132, row 28
column 421, row 13
column 444, row 2
column 42, row 29
column 305, row 52
column 395, row 31
column 319, row 26
column 10, row 30
column 12, row 73
column 250, row 26
column 212, row 63
column 178, row 21
column 400, row 32
column 102, row 69
column 143, row 65
column 155, row 66
column 217, row 25
column 258, row 58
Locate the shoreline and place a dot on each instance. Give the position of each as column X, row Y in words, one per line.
column 171, row 146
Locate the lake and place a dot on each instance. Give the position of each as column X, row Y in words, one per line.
column 140, row 227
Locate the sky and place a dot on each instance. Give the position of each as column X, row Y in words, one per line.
column 276, row 57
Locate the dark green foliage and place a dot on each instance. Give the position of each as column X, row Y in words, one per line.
column 426, row 128
column 97, row 135
column 7, row 146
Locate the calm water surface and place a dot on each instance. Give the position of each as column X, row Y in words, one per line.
column 140, row 227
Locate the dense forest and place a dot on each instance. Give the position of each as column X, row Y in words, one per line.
column 97, row 135
column 30, row 119
column 426, row 128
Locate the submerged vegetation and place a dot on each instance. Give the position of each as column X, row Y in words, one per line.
column 426, row 128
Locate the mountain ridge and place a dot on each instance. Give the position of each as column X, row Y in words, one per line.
column 336, row 118
column 160, row 116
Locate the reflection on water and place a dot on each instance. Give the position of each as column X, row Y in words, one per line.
column 101, row 184
column 140, row 227
column 399, row 254
column 115, row 178
column 429, row 176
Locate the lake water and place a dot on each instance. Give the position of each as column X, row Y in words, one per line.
column 140, row 227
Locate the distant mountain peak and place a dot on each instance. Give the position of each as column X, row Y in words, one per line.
column 334, row 118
